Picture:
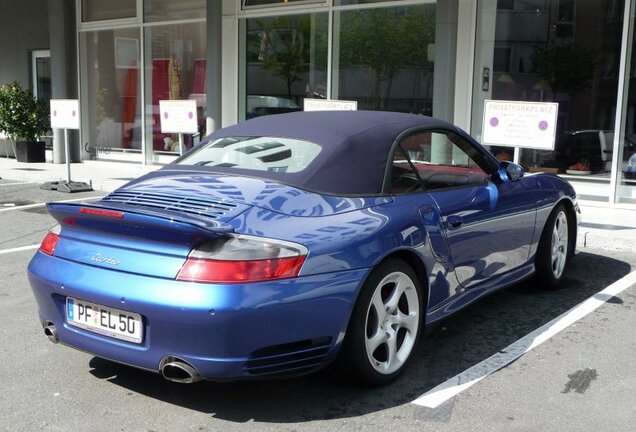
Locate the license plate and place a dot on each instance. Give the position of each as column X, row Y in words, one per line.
column 104, row 320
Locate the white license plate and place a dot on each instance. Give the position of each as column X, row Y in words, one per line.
column 104, row 320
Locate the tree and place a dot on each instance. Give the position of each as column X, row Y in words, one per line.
column 386, row 40
column 284, row 52
column 568, row 69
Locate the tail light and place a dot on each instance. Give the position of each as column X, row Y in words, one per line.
column 236, row 259
column 101, row 212
column 50, row 241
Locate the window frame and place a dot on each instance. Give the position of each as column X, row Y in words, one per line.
column 486, row 162
column 281, row 3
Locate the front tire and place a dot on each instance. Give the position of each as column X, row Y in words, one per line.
column 553, row 251
column 385, row 325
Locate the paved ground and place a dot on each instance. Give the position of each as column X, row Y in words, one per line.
column 580, row 380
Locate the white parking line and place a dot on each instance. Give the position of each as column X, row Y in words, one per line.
column 14, row 184
column 452, row 387
column 18, row 249
column 28, row 206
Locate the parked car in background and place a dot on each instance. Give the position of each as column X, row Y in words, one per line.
column 265, row 105
column 630, row 168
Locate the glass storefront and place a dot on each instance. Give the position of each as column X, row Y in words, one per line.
column 285, row 62
column 381, row 57
column 394, row 55
column 111, row 90
column 563, row 51
column 626, row 160
column 122, row 90
column 384, row 58
column 175, row 69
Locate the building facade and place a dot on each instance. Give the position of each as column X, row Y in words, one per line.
column 445, row 58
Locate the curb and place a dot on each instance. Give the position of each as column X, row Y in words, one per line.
column 620, row 241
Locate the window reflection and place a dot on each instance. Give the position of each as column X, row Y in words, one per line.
column 626, row 190
column 164, row 10
column 111, row 85
column 273, row 154
column 247, row 4
column 384, row 58
column 286, row 61
column 564, row 51
column 178, row 68
column 98, row 10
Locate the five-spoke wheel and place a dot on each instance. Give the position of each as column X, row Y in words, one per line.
column 385, row 324
column 554, row 249
column 559, row 244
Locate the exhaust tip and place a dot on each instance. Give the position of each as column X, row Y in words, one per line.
column 50, row 332
column 176, row 370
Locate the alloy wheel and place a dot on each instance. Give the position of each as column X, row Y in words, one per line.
column 559, row 244
column 392, row 323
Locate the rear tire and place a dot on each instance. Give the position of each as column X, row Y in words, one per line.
column 553, row 251
column 384, row 327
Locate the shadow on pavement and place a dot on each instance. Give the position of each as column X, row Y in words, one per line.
column 467, row 338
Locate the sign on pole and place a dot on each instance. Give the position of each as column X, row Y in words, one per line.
column 179, row 116
column 329, row 105
column 520, row 124
column 65, row 114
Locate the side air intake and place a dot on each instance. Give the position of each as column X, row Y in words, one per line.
column 288, row 359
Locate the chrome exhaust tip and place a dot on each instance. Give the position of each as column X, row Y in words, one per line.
column 50, row 332
column 176, row 370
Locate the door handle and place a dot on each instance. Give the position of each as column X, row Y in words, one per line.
column 454, row 222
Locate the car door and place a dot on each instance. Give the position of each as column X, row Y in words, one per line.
column 487, row 224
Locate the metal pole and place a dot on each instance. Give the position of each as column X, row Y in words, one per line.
column 517, row 155
column 67, row 156
column 181, row 144
column 620, row 120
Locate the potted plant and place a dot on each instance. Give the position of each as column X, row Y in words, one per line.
column 24, row 120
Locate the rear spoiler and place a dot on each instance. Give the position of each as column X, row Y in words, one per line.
column 126, row 215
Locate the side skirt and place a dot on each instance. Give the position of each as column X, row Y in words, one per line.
column 460, row 301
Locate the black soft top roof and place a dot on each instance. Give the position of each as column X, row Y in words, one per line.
column 355, row 146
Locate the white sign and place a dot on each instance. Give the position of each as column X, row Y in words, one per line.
column 520, row 124
column 330, row 105
column 178, row 116
column 65, row 114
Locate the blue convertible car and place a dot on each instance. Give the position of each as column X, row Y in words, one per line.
column 288, row 241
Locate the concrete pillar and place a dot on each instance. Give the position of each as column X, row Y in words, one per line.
column 445, row 50
column 484, row 59
column 62, row 38
column 214, row 63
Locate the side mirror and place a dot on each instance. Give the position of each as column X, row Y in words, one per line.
column 509, row 171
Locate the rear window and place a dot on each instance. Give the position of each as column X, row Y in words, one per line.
column 273, row 154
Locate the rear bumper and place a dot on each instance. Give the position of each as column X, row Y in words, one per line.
column 225, row 331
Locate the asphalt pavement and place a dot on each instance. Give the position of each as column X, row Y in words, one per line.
column 580, row 379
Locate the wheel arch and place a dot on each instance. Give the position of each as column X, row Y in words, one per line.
column 570, row 212
column 350, row 343
column 415, row 262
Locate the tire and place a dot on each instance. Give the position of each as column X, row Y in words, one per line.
column 553, row 251
column 384, row 327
